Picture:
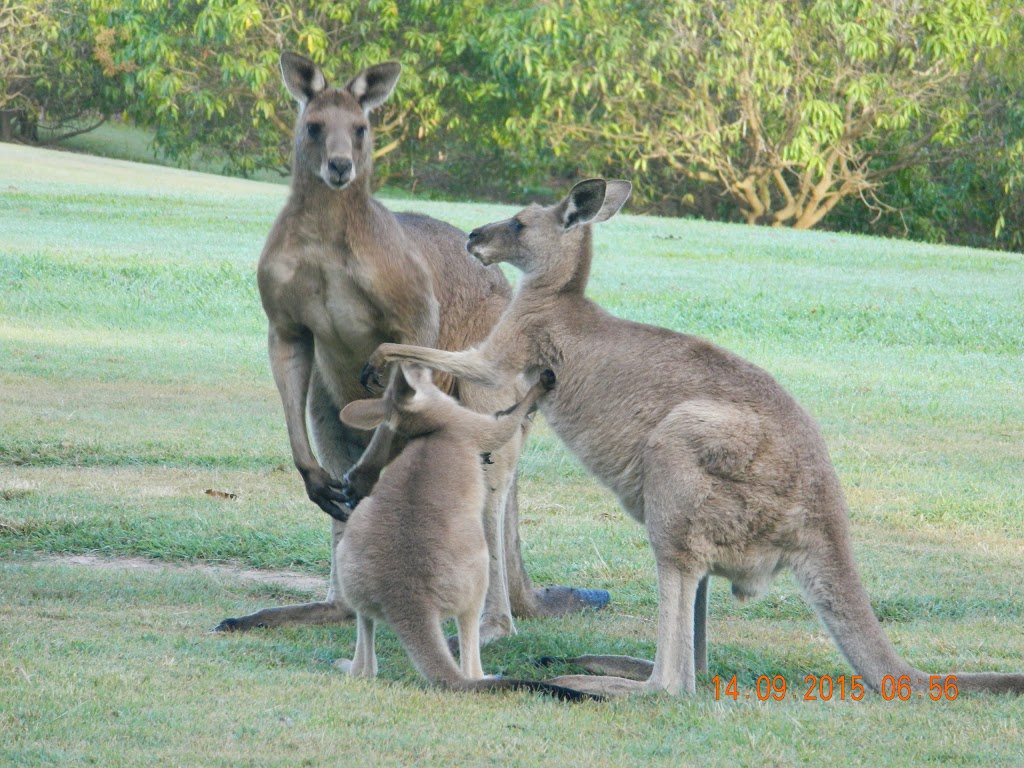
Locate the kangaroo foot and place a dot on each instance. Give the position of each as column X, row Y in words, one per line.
column 616, row 666
column 560, row 601
column 289, row 615
column 600, row 686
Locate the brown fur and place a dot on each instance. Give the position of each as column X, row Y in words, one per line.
column 730, row 476
column 340, row 274
column 414, row 551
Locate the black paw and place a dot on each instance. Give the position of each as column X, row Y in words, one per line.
column 486, row 457
column 339, row 510
column 350, row 495
column 370, row 380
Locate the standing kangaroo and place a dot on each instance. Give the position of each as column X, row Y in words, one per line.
column 340, row 274
column 414, row 552
column 730, row 476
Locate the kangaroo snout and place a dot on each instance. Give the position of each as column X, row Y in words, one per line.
column 476, row 246
column 338, row 172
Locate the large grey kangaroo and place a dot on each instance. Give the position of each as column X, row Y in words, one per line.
column 414, row 552
column 339, row 274
column 730, row 476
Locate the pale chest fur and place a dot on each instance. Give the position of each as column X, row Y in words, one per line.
column 318, row 288
column 315, row 287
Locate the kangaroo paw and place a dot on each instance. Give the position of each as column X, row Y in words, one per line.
column 371, row 380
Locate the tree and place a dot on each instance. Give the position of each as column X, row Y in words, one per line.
column 204, row 75
column 54, row 79
column 769, row 111
column 785, row 107
column 973, row 197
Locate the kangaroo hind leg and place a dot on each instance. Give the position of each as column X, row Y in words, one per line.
column 673, row 667
column 680, row 493
column 469, row 645
column 641, row 669
column 364, row 661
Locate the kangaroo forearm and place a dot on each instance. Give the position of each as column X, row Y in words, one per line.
column 503, row 429
column 382, row 448
column 401, row 291
column 422, row 327
column 471, row 365
column 291, row 361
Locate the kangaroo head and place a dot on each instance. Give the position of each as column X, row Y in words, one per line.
column 332, row 136
column 412, row 405
column 553, row 238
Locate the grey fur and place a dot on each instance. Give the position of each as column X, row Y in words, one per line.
column 339, row 274
column 730, row 476
column 414, row 552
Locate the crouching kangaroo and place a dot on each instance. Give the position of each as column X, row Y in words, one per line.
column 414, row 552
column 339, row 274
column 730, row 476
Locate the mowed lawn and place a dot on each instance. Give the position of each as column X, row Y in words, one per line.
column 133, row 378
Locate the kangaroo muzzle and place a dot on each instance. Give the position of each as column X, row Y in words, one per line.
column 477, row 246
column 337, row 172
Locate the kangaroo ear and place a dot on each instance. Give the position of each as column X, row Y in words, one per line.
column 615, row 196
column 303, row 78
column 373, row 85
column 403, row 383
column 583, row 203
column 364, row 414
column 419, row 377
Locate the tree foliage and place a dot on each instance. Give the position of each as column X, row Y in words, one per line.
column 205, row 74
column 770, row 111
column 57, row 76
column 785, row 107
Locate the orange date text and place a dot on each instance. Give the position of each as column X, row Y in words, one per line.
column 842, row 688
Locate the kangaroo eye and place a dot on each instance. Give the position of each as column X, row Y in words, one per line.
column 517, row 225
column 313, row 130
column 361, row 132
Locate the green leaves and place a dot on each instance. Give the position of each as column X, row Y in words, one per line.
column 783, row 108
column 787, row 108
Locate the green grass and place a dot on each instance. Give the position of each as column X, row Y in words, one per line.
column 133, row 377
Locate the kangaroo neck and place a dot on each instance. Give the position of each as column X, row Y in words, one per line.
column 568, row 277
column 335, row 213
column 577, row 282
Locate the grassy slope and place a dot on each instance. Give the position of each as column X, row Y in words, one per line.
column 133, row 377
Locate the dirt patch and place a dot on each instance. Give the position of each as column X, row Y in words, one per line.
column 291, row 579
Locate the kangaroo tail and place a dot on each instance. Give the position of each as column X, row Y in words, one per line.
column 423, row 640
column 832, row 585
column 505, row 684
column 990, row 682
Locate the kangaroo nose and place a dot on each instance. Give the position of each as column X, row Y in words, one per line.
column 341, row 166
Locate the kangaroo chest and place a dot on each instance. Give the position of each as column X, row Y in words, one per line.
column 317, row 287
column 605, row 433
